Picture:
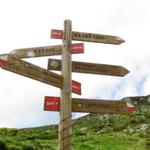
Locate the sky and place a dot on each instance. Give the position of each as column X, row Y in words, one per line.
column 28, row 23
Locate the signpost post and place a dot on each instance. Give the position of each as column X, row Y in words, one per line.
column 65, row 125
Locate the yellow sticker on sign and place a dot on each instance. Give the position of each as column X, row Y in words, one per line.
column 54, row 64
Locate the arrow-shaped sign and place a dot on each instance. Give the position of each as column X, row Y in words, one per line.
column 90, row 105
column 27, row 69
column 46, row 51
column 90, row 68
column 16, row 65
column 89, row 37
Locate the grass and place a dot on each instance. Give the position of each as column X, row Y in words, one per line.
column 108, row 142
column 88, row 141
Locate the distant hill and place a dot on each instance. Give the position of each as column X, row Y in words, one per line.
column 91, row 132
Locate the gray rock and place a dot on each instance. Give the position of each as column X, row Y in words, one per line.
column 83, row 129
column 143, row 127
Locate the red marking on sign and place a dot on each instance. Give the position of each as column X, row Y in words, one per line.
column 77, row 48
column 76, row 87
column 3, row 63
column 52, row 103
column 130, row 109
column 57, row 34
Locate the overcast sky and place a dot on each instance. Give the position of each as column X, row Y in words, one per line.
column 27, row 23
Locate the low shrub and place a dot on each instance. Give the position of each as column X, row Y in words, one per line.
column 3, row 145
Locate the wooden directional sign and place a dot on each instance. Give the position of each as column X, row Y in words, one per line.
column 90, row 105
column 46, row 51
column 101, row 106
column 91, row 68
column 89, row 37
column 27, row 69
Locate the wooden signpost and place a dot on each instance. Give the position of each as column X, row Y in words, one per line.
column 90, row 105
column 81, row 67
column 46, row 51
column 89, row 37
column 90, row 68
column 100, row 106
column 66, row 104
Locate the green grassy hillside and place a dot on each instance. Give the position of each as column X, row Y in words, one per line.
column 92, row 132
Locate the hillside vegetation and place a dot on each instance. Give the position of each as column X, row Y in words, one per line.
column 91, row 132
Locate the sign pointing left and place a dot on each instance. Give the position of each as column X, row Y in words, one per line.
column 16, row 65
column 46, row 51
column 29, row 70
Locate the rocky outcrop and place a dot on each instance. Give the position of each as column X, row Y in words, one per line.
column 138, row 100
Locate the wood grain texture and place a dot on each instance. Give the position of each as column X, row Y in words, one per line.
column 65, row 126
column 24, row 68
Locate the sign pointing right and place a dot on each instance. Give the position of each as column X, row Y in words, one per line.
column 89, row 37
column 90, row 105
column 90, row 68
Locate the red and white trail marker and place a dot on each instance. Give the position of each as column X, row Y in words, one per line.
column 130, row 107
column 76, row 87
column 52, row 103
